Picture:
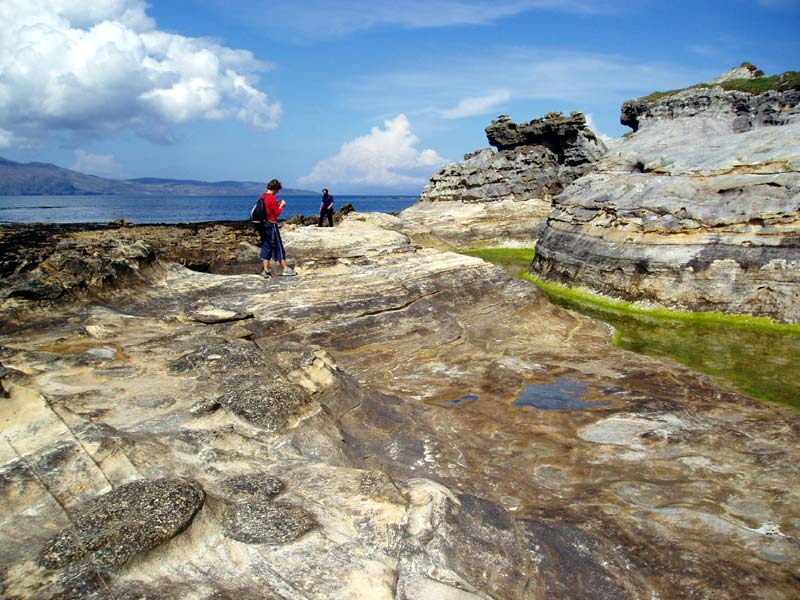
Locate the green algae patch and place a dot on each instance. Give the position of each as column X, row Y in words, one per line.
column 757, row 355
column 514, row 260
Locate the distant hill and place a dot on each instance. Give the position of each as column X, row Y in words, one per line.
column 44, row 179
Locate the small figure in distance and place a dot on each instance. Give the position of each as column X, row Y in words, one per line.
column 326, row 208
column 271, row 242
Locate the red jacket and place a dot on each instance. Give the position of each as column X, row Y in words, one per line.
column 273, row 208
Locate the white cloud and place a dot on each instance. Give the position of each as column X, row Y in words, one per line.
column 386, row 157
column 8, row 139
column 326, row 19
column 591, row 125
column 525, row 74
column 477, row 105
column 94, row 164
column 98, row 67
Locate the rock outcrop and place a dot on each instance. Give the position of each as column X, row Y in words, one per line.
column 353, row 433
column 502, row 197
column 744, row 111
column 693, row 210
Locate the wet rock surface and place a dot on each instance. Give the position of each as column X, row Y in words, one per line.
column 400, row 465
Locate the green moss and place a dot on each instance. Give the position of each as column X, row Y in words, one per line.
column 755, row 86
column 719, row 344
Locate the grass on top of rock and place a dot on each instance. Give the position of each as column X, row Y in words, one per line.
column 759, row 85
column 715, row 343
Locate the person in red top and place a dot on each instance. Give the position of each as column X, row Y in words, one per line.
column 271, row 242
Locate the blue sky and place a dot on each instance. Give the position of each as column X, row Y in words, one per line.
column 360, row 96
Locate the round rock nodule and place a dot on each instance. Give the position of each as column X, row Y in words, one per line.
column 258, row 486
column 135, row 517
column 266, row 405
column 266, row 523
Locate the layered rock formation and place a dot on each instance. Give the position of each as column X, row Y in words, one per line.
column 374, row 428
column 743, row 111
column 699, row 209
column 502, row 197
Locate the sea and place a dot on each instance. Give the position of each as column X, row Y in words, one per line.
column 173, row 209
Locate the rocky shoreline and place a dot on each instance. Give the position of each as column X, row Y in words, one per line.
column 396, row 422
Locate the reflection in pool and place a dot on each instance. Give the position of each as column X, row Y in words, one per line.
column 564, row 394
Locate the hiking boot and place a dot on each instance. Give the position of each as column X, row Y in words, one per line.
column 288, row 272
column 266, row 274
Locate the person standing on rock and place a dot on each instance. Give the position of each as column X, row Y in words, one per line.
column 271, row 242
column 326, row 208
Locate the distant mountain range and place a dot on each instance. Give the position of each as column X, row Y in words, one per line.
column 43, row 179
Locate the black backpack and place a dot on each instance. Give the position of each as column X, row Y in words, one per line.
column 258, row 214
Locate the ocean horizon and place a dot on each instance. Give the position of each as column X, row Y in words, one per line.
column 174, row 209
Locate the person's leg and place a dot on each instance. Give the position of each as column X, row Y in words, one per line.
column 330, row 216
column 266, row 254
column 321, row 216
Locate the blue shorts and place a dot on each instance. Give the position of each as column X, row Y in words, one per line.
column 271, row 243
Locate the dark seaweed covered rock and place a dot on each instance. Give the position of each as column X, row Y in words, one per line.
column 74, row 267
column 266, row 523
column 252, row 486
column 266, row 405
column 135, row 517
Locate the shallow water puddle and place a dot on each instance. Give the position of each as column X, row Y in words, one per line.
column 458, row 401
column 564, row 394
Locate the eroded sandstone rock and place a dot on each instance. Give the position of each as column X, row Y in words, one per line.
column 743, row 111
column 502, row 198
column 691, row 211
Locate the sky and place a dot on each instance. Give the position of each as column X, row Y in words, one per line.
column 359, row 96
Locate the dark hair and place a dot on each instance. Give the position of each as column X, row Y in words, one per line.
column 324, row 190
column 274, row 185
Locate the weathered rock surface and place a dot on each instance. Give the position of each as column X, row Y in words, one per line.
column 401, row 468
column 744, row 71
column 743, row 111
column 690, row 212
column 502, row 198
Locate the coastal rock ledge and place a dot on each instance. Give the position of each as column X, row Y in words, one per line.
column 395, row 423
column 698, row 209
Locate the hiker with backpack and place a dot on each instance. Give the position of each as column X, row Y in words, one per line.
column 265, row 213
